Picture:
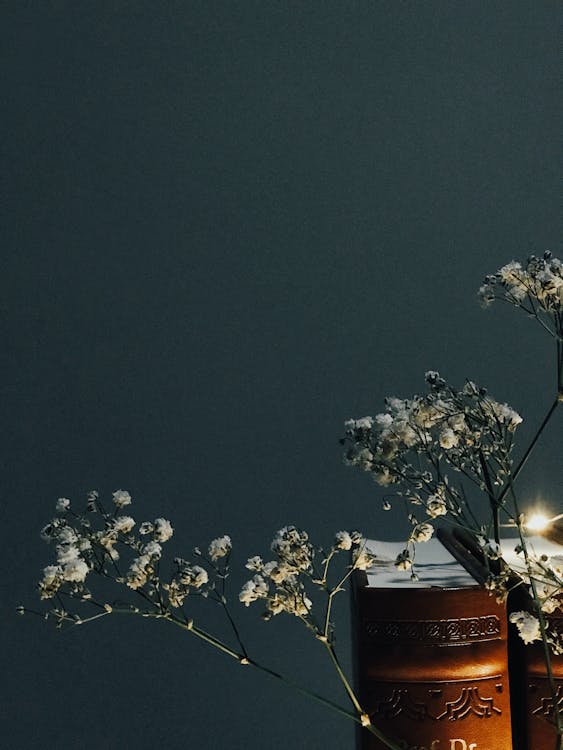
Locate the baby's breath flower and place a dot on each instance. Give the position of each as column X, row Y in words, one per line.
column 257, row 588
column 51, row 581
column 403, row 561
column 536, row 287
column 92, row 501
column 62, row 505
column 146, row 528
column 162, row 530
column 121, row 498
column 220, row 547
column 75, row 570
column 528, row 626
column 436, row 506
column 362, row 559
column 254, row 563
column 123, row 524
column 278, row 572
column 138, row 572
column 152, row 549
column 293, row 548
column 343, row 540
column 448, row 438
column 422, row 532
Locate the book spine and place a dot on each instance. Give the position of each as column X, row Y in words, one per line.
column 544, row 697
column 432, row 669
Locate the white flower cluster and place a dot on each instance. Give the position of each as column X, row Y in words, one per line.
column 528, row 626
column 281, row 582
column 220, row 547
column 538, row 285
column 82, row 549
column 295, row 555
column 465, row 429
column 73, row 550
column 188, row 577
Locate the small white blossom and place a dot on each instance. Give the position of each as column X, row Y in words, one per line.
column 343, row 540
column 62, row 505
column 436, row 506
column 448, row 438
column 422, row 532
column 403, row 561
column 51, row 581
column 152, row 549
column 121, row 498
column 254, row 563
column 278, row 572
column 138, row 572
column 66, row 554
column 162, row 530
column 362, row 559
column 66, row 535
column 220, row 547
column 75, row 570
column 252, row 590
column 123, row 524
column 528, row 626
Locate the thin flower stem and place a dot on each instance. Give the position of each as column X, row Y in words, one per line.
column 327, row 563
column 559, row 367
column 243, row 659
column 541, row 619
column 336, row 663
column 331, row 594
column 234, row 627
column 529, row 449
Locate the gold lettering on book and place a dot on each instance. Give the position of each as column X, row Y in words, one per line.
column 454, row 744
column 461, row 630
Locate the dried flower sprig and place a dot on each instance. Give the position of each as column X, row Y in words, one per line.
column 416, row 440
column 413, row 447
column 535, row 286
column 97, row 546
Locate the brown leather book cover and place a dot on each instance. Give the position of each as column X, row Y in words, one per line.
column 541, row 705
column 533, row 703
column 431, row 660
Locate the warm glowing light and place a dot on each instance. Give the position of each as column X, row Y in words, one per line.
column 537, row 522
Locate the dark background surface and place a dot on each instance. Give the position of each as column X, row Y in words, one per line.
column 228, row 228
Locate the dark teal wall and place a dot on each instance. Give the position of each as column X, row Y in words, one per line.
column 228, row 227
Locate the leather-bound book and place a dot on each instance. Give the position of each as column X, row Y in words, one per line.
column 430, row 657
column 535, row 701
column 541, row 704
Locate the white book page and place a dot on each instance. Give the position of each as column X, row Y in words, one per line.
column 433, row 564
column 536, row 545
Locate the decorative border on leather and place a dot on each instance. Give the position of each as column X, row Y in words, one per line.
column 469, row 702
column 460, row 630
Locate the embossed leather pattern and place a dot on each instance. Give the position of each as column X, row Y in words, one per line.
column 541, row 706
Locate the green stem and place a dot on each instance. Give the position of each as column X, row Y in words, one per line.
column 243, row 659
column 529, row 449
column 541, row 618
column 360, row 712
